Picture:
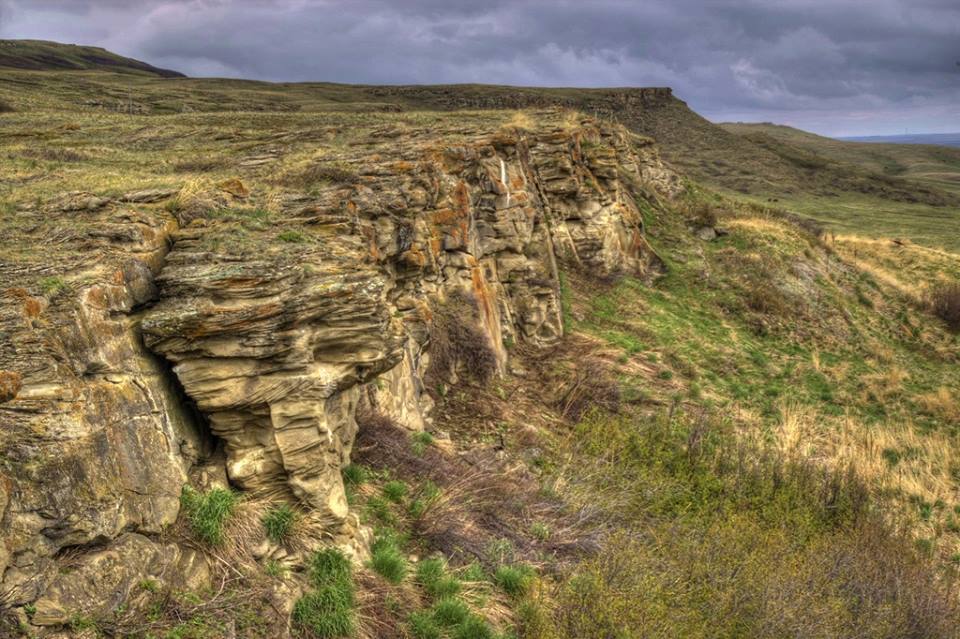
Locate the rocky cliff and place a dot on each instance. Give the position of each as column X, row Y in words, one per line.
column 141, row 342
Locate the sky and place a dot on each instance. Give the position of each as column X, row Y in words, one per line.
column 835, row 67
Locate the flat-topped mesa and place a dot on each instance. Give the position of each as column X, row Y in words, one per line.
column 606, row 101
column 274, row 340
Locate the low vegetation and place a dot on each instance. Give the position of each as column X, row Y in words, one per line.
column 945, row 302
column 208, row 513
column 732, row 539
column 328, row 609
column 278, row 522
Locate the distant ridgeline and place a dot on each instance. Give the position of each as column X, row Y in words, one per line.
column 941, row 139
column 39, row 55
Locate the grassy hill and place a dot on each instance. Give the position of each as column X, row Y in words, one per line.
column 884, row 190
column 40, row 55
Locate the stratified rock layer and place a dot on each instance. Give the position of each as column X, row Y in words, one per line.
column 273, row 338
column 94, row 438
column 135, row 343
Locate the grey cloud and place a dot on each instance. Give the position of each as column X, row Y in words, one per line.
column 823, row 62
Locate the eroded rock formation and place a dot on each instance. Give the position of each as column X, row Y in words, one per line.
column 272, row 339
column 276, row 327
column 95, row 439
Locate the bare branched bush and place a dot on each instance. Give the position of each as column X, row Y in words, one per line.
column 457, row 343
column 945, row 303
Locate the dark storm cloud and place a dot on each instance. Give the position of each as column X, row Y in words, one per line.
column 831, row 65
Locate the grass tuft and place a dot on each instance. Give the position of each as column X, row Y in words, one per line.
column 395, row 491
column 514, row 580
column 278, row 522
column 450, row 612
column 432, row 575
column 208, row 512
column 387, row 559
column 329, row 609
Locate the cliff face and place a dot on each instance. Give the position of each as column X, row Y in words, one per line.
column 274, row 340
column 276, row 331
column 96, row 441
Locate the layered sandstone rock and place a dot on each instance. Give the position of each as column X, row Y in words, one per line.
column 266, row 326
column 273, row 339
column 94, row 438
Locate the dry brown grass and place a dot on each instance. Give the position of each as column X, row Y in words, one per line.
column 942, row 404
column 898, row 462
column 482, row 503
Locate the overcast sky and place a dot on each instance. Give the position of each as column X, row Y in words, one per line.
column 838, row 67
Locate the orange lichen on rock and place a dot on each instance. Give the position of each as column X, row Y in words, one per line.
column 10, row 385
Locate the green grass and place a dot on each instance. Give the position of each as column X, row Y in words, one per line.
column 52, row 285
column 208, row 513
column 728, row 540
column 450, row 612
column 292, row 237
column 395, row 491
column 433, row 577
column 387, row 560
column 328, row 609
column 278, row 522
column 420, row 441
column 513, row 580
column 423, row 626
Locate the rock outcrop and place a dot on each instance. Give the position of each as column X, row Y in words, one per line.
column 142, row 343
column 273, row 339
column 94, row 437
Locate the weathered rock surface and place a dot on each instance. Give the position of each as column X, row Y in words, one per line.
column 92, row 434
column 273, row 339
column 138, row 342
column 107, row 579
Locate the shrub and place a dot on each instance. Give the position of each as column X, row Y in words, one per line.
column 513, row 580
column 387, row 560
column 457, row 341
column 945, row 302
column 278, row 522
column 208, row 512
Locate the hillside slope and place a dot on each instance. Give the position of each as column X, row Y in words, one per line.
column 933, row 165
column 40, row 55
